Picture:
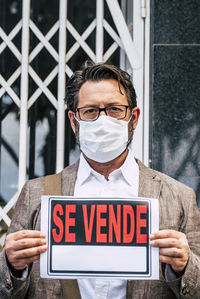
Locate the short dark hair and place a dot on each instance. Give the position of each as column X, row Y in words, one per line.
column 97, row 72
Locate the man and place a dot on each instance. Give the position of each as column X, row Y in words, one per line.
column 103, row 114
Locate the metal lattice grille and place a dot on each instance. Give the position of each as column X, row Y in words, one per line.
column 122, row 39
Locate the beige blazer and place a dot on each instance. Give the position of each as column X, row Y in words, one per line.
column 178, row 211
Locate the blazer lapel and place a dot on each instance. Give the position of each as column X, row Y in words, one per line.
column 69, row 175
column 149, row 183
column 70, row 289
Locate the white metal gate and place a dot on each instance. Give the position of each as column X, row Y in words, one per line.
column 131, row 38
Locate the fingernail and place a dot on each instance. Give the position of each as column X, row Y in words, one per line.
column 42, row 235
column 151, row 236
column 151, row 242
column 43, row 241
column 44, row 247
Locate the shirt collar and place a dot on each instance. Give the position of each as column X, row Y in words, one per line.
column 129, row 170
column 84, row 170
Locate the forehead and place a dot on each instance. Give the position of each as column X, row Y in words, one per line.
column 102, row 93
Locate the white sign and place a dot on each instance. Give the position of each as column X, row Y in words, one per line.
column 99, row 237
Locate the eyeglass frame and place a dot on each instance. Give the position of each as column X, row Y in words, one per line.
column 101, row 109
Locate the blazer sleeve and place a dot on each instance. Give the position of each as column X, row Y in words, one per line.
column 9, row 286
column 189, row 284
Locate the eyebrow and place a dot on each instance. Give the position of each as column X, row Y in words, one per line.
column 108, row 104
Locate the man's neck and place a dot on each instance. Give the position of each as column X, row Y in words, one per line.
column 106, row 168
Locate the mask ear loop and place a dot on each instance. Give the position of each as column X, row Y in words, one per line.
column 76, row 118
column 130, row 139
column 131, row 116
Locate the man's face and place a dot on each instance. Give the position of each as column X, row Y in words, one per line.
column 102, row 94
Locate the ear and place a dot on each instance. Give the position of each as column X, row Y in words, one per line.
column 136, row 114
column 71, row 118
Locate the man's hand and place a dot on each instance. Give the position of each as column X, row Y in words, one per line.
column 174, row 248
column 24, row 247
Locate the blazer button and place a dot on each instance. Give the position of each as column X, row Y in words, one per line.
column 8, row 284
column 185, row 290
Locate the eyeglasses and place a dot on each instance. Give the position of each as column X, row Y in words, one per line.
column 91, row 113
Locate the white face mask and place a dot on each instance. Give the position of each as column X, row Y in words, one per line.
column 104, row 139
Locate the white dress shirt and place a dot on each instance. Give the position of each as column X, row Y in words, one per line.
column 123, row 182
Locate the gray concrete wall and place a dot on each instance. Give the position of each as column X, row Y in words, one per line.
column 175, row 90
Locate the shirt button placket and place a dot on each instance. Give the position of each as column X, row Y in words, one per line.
column 101, row 290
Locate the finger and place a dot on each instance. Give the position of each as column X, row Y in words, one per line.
column 177, row 264
column 28, row 253
column 167, row 259
column 166, row 243
column 20, row 259
column 167, row 233
column 28, row 243
column 26, row 234
column 171, row 252
column 21, row 264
